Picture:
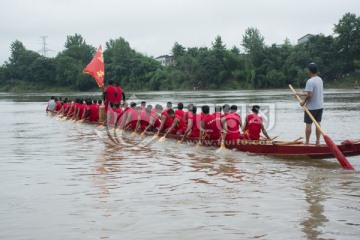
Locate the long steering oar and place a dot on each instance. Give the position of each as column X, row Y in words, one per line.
column 335, row 150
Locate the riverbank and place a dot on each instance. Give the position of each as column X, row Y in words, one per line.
column 19, row 86
column 346, row 82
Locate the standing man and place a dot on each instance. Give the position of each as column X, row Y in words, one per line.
column 120, row 95
column 110, row 94
column 314, row 101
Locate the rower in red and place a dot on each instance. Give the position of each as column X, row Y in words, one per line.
column 178, row 125
column 154, row 122
column 132, row 117
column 193, row 125
column 254, row 125
column 165, row 121
column 143, row 119
column 231, row 123
column 92, row 114
column 180, row 112
column 209, row 128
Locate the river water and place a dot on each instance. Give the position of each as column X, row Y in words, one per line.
column 61, row 180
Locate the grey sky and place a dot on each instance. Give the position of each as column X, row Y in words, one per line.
column 153, row 26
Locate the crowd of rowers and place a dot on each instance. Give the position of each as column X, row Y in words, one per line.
column 224, row 123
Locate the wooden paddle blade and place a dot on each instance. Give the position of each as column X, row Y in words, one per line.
column 222, row 149
column 162, row 139
column 337, row 153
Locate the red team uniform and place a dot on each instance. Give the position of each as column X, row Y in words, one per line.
column 212, row 130
column 168, row 121
column 111, row 96
column 119, row 93
column 144, row 120
column 58, row 106
column 133, row 119
column 254, row 125
column 180, row 128
column 180, row 112
column 94, row 113
column 82, row 109
column 233, row 121
column 195, row 129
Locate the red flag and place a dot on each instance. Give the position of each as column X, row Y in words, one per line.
column 96, row 67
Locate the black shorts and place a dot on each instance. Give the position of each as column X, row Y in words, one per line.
column 317, row 114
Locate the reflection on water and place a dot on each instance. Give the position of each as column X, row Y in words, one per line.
column 62, row 180
column 314, row 196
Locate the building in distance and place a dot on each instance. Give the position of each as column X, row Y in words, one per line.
column 305, row 38
column 165, row 60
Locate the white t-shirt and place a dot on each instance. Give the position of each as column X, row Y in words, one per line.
column 315, row 85
column 51, row 105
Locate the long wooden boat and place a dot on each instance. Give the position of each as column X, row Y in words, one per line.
column 277, row 148
column 271, row 148
column 283, row 148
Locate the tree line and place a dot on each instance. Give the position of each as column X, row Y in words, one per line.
column 209, row 68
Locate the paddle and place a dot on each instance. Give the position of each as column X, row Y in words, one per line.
column 222, row 144
column 334, row 149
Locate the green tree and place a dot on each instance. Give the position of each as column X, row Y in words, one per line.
column 348, row 39
column 253, row 43
column 70, row 63
column 18, row 66
column 178, row 51
column 133, row 70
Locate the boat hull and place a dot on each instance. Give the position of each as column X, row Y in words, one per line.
column 287, row 150
column 278, row 148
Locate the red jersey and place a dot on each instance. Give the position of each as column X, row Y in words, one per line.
column 119, row 93
column 157, row 121
column 212, row 131
column 58, row 106
column 119, row 112
column 168, row 121
column 144, row 120
column 94, row 113
column 254, row 125
column 196, row 119
column 82, row 108
column 111, row 95
column 133, row 118
column 180, row 127
column 233, row 121
column 188, row 115
column 64, row 107
column 217, row 116
column 70, row 109
column 75, row 109
column 180, row 112
column 181, row 123
column 195, row 129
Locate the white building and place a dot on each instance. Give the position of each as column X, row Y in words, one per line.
column 305, row 38
column 165, row 60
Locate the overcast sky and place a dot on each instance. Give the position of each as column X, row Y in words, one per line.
column 153, row 26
